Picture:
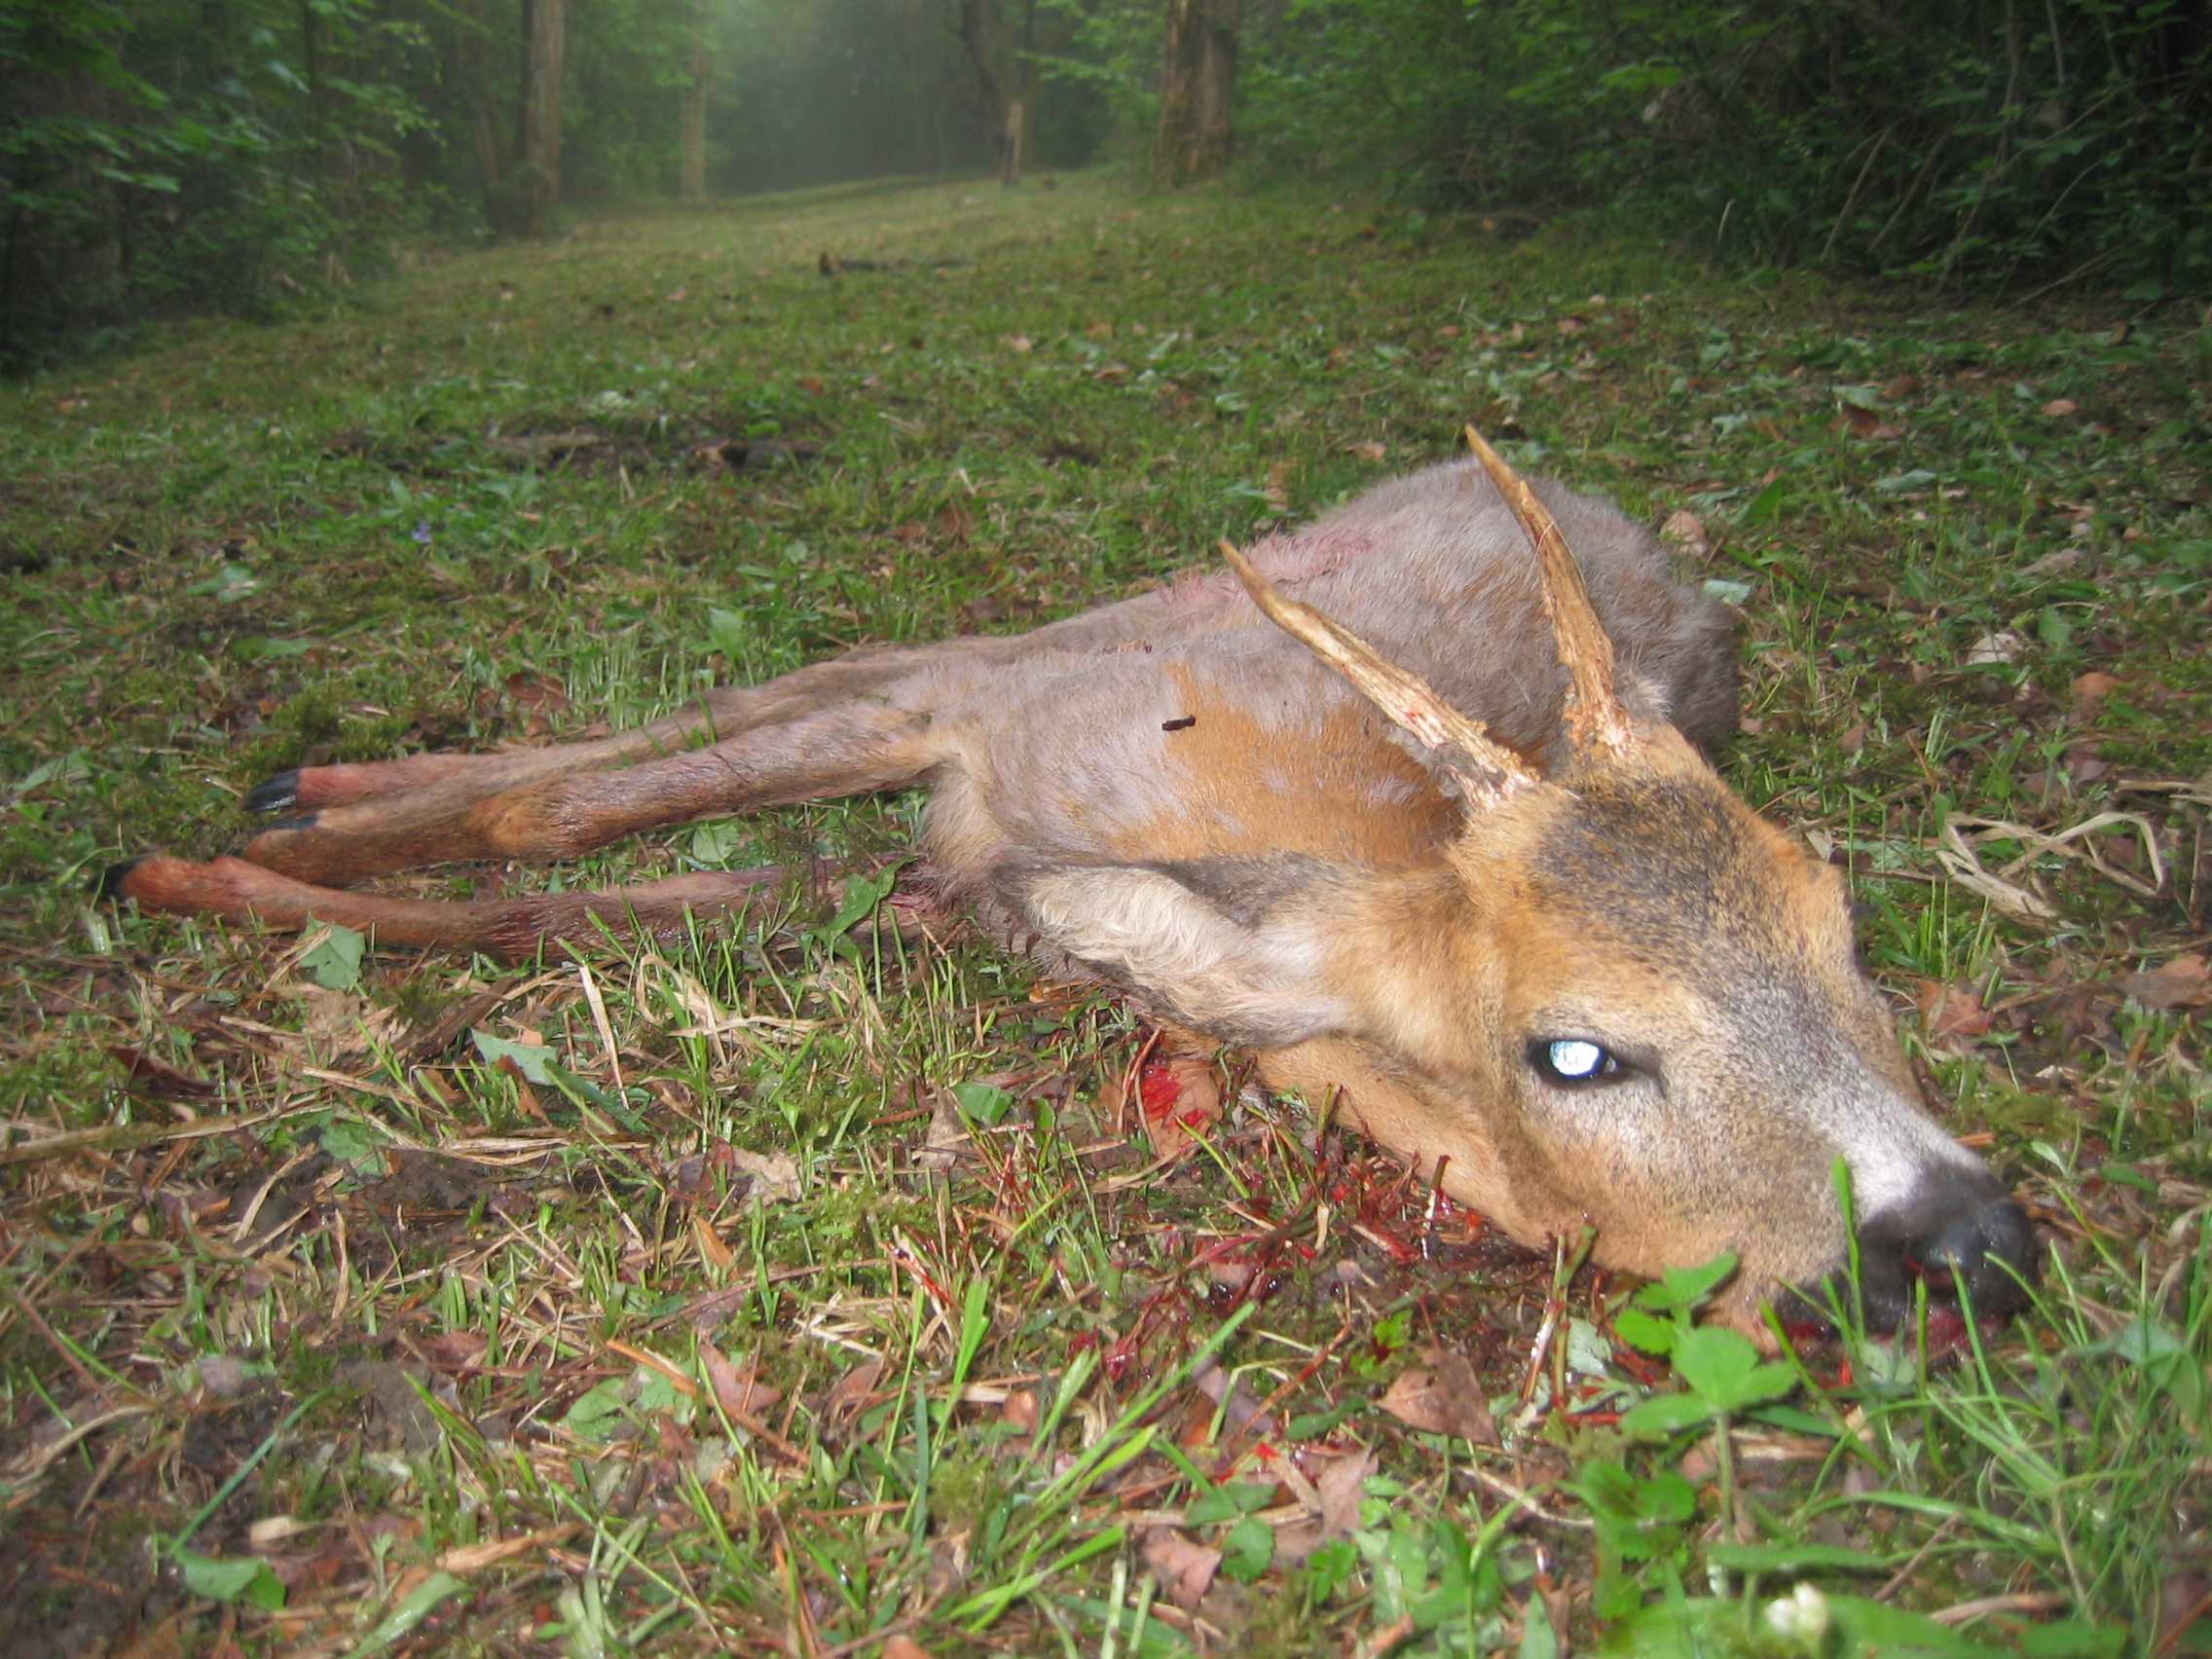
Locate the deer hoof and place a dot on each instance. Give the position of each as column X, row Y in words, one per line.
column 276, row 793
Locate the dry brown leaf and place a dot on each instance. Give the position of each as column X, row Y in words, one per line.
column 949, row 1142
column 1339, row 1484
column 738, row 1388
column 1277, row 489
column 2059, row 407
column 811, row 385
column 2181, row 981
column 1686, row 530
column 1368, row 451
column 1993, row 650
column 851, row 1393
column 1181, row 1099
column 775, row 1174
column 903, row 1647
column 2093, row 688
column 1442, row 1396
column 1184, row 1566
column 1020, row 343
column 537, row 693
column 1950, row 1011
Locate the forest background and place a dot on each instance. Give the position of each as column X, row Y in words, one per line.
column 167, row 156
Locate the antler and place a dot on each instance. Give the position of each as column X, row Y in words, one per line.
column 1593, row 715
column 1486, row 770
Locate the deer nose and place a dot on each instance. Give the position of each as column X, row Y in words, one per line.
column 1980, row 1238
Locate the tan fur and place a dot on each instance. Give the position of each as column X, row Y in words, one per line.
column 1404, row 894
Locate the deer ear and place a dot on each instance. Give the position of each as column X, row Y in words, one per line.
column 1229, row 947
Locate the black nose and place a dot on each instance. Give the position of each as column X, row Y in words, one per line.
column 1981, row 1238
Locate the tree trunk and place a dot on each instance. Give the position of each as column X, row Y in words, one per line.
column 691, row 165
column 1197, row 86
column 544, row 55
column 984, row 32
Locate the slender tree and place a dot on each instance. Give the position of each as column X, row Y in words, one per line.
column 544, row 27
column 692, row 132
column 1198, row 88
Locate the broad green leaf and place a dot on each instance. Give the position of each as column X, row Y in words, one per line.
column 335, row 959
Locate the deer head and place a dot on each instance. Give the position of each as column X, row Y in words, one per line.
column 1627, row 1000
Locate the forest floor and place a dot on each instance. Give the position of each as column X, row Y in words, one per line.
column 814, row 1287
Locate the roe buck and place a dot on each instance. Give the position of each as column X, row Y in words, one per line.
column 1445, row 842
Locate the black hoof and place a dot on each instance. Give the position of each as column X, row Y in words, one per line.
column 109, row 882
column 277, row 793
column 306, row 821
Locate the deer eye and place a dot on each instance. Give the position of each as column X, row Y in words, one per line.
column 1573, row 1063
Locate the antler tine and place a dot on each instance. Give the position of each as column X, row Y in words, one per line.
column 1594, row 717
column 1486, row 771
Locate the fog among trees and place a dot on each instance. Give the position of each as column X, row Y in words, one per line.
column 178, row 155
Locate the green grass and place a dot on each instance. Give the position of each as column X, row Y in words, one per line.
column 680, row 1329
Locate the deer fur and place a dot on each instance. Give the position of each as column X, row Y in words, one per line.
column 1392, row 801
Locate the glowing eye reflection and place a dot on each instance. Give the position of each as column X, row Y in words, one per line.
column 1574, row 1058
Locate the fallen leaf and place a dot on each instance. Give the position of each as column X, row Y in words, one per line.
column 1238, row 1408
column 2084, row 764
column 775, row 1174
column 1996, row 649
column 1442, row 1396
column 949, row 1142
column 1184, row 1566
column 1181, row 1099
column 2093, row 687
column 1020, row 343
column 2181, row 981
column 2053, row 564
column 2059, row 407
column 1686, row 530
column 1277, row 488
column 1369, row 451
column 902, row 1648
column 851, row 1394
column 1950, row 1011
column 150, row 1077
column 738, row 1388
column 1339, row 1485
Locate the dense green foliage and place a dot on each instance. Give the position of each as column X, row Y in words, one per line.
column 191, row 155
column 1983, row 143
column 170, row 155
column 159, row 155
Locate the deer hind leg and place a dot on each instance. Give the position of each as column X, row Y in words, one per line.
column 838, row 752
column 728, row 710
column 292, row 871
column 660, row 911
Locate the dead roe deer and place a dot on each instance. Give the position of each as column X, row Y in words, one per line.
column 1443, row 841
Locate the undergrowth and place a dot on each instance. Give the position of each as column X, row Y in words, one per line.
column 808, row 1287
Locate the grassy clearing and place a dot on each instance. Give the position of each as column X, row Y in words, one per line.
column 414, row 1303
